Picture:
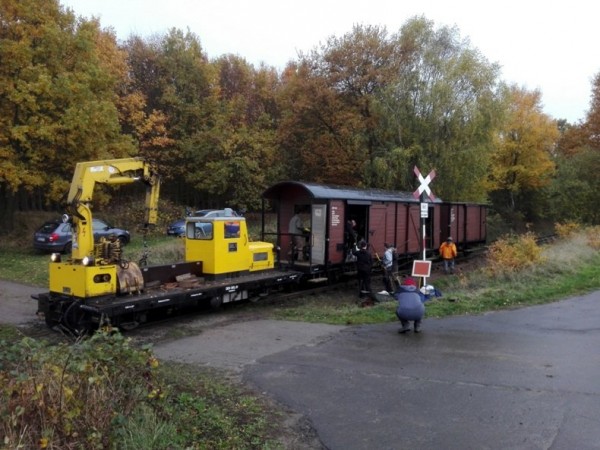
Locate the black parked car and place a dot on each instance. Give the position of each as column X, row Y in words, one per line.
column 55, row 235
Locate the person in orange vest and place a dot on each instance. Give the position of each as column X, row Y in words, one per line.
column 448, row 253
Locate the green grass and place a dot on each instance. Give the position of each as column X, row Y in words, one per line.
column 23, row 264
column 569, row 267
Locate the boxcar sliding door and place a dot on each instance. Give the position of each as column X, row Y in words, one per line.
column 317, row 232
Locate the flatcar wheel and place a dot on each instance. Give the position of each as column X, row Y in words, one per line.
column 50, row 322
column 258, row 297
column 216, row 302
column 74, row 319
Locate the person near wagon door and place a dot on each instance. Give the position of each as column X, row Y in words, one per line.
column 350, row 233
column 296, row 230
column 410, row 305
column 388, row 267
column 448, row 253
column 364, row 265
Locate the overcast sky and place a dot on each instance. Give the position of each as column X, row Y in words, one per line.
column 547, row 45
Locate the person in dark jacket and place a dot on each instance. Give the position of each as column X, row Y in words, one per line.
column 410, row 305
column 364, row 264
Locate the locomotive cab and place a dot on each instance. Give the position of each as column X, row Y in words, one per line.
column 224, row 247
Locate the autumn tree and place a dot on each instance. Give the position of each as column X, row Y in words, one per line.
column 591, row 125
column 522, row 161
column 331, row 128
column 220, row 118
column 317, row 135
column 440, row 113
column 58, row 81
column 575, row 190
column 243, row 159
column 175, row 79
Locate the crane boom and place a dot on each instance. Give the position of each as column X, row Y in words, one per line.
column 113, row 172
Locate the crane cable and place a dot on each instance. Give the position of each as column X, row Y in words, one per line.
column 145, row 252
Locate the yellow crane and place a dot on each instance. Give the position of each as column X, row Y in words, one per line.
column 95, row 268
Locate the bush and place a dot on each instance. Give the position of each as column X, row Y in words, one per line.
column 79, row 396
column 566, row 229
column 513, row 253
column 593, row 237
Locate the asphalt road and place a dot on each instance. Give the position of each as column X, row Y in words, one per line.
column 16, row 305
column 521, row 379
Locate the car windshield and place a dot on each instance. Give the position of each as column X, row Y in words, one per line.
column 48, row 227
column 99, row 224
column 200, row 230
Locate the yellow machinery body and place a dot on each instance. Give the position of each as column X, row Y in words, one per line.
column 224, row 247
column 81, row 281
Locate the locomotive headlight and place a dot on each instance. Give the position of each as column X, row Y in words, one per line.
column 88, row 261
column 55, row 257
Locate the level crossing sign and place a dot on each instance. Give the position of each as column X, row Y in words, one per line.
column 423, row 268
column 424, row 184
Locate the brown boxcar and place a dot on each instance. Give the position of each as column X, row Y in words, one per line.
column 381, row 217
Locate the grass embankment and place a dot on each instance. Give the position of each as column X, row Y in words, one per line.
column 567, row 267
column 102, row 393
column 53, row 396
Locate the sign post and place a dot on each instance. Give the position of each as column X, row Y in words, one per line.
column 420, row 193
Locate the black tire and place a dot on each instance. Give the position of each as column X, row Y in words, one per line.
column 68, row 247
column 123, row 240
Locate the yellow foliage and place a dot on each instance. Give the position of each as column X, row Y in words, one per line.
column 510, row 254
column 566, row 229
column 593, row 237
column 523, row 154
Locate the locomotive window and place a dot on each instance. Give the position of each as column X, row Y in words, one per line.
column 200, row 230
column 232, row 230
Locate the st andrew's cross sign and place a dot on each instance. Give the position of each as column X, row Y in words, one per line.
column 424, row 184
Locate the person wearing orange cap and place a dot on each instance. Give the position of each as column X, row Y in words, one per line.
column 410, row 305
column 448, row 253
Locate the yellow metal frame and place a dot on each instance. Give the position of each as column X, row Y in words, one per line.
column 81, row 281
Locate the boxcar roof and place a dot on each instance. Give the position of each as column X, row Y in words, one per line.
column 323, row 191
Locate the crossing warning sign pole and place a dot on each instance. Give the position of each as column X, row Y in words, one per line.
column 421, row 193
